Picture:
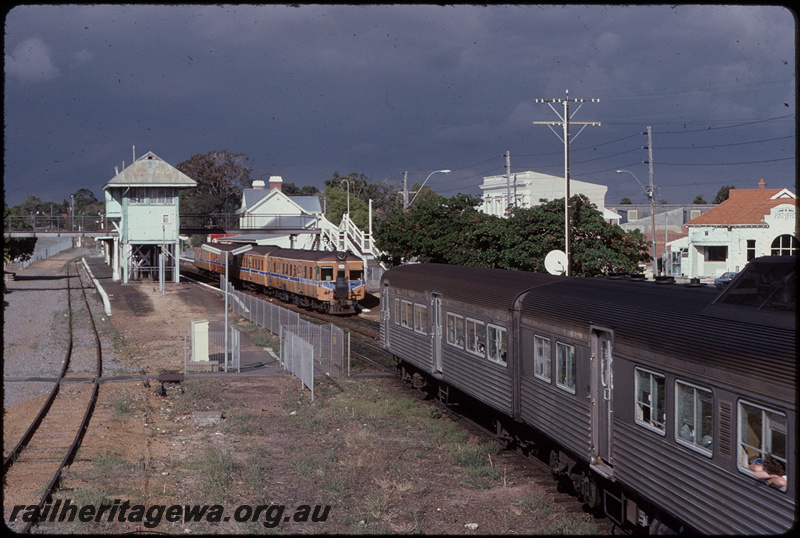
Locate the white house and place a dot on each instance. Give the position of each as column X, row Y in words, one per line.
column 525, row 189
column 749, row 224
column 272, row 209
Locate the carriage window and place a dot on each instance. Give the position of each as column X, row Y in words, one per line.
column 327, row 273
column 405, row 314
column 498, row 345
column 455, row 330
column 476, row 337
column 420, row 318
column 762, row 444
column 542, row 358
column 565, row 366
column 650, row 405
column 694, row 420
column 356, row 274
column 397, row 311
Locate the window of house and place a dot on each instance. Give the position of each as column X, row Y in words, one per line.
column 542, row 358
column 406, row 314
column 455, row 330
column 751, row 249
column 694, row 426
column 498, row 346
column 762, row 442
column 565, row 366
column 476, row 337
column 420, row 318
column 716, row 254
column 784, row 245
column 650, row 404
column 633, row 214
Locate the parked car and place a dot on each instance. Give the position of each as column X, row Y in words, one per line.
column 723, row 280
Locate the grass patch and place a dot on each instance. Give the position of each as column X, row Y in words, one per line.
column 215, row 467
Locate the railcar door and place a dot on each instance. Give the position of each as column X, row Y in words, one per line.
column 436, row 326
column 602, row 396
column 385, row 315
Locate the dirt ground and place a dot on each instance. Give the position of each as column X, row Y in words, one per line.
column 368, row 455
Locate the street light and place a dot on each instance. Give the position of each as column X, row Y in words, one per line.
column 649, row 192
column 218, row 252
column 348, row 196
column 424, row 182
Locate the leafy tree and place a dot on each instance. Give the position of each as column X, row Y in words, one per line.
column 699, row 200
column 30, row 206
column 221, row 177
column 452, row 230
column 336, row 207
column 290, row 189
column 16, row 247
column 723, row 193
column 625, row 201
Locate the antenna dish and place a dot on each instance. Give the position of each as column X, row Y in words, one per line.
column 556, row 262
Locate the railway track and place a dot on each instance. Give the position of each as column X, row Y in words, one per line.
column 32, row 469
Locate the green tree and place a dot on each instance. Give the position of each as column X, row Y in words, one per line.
column 85, row 201
column 453, row 231
column 16, row 247
column 221, row 177
column 625, row 201
column 290, row 189
column 336, row 206
column 30, row 206
column 723, row 193
column 699, row 200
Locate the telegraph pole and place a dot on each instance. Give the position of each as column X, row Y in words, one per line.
column 652, row 193
column 565, row 123
column 508, row 178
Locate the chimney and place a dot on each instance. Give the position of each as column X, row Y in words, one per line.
column 258, row 184
column 275, row 182
column 761, row 184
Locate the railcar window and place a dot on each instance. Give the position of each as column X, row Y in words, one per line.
column 694, row 420
column 565, row 367
column 476, row 337
column 356, row 274
column 542, row 359
column 405, row 314
column 455, row 330
column 326, row 273
column 762, row 444
column 497, row 345
column 397, row 311
column 421, row 318
column 650, row 404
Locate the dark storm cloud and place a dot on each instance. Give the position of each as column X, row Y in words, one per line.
column 305, row 91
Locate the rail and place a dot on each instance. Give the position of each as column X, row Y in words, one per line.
column 33, row 225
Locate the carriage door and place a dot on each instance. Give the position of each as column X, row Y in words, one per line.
column 385, row 315
column 436, row 326
column 602, row 396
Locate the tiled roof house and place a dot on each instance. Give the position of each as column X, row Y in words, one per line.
column 749, row 224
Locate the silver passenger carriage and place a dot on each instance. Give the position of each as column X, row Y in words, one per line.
column 660, row 401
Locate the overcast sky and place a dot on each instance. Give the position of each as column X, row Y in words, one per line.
column 379, row 90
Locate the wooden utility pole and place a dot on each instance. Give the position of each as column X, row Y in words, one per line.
column 565, row 123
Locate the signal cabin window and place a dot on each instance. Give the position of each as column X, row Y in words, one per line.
column 565, row 367
column 542, row 358
column 455, row 330
column 405, row 314
column 498, row 347
column 694, row 417
column 420, row 318
column 476, row 337
column 762, row 444
column 326, row 273
column 650, row 403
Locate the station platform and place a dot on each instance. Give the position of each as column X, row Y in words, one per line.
column 132, row 298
